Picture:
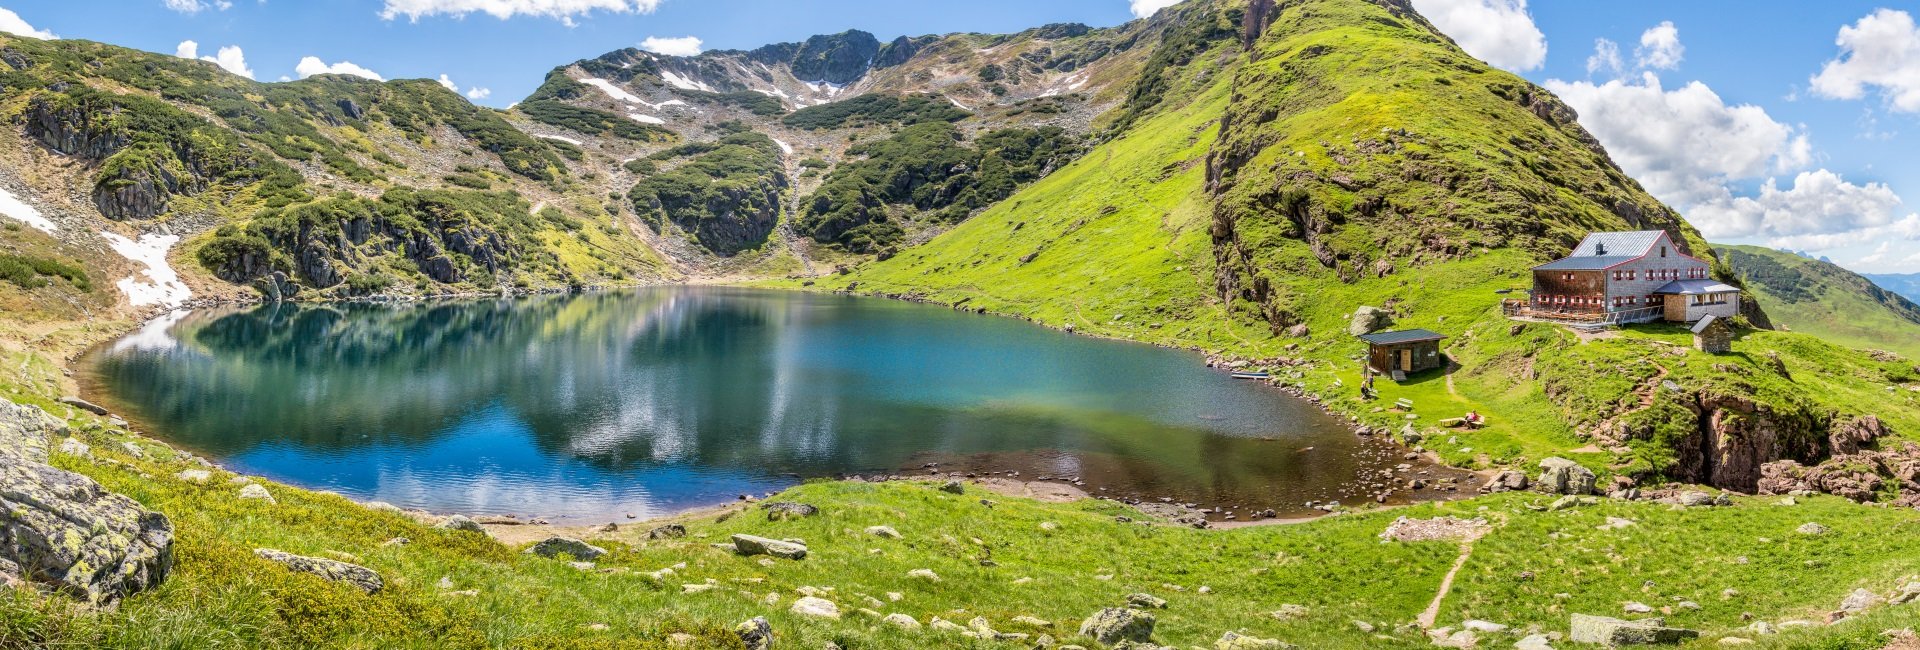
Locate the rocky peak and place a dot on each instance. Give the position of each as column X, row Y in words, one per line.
column 832, row 58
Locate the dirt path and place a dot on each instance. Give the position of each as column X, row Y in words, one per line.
column 1446, row 584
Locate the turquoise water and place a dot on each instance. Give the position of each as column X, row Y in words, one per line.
column 649, row 401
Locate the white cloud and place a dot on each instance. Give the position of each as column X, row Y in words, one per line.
column 1820, row 211
column 229, row 58
column 1145, row 8
column 1660, row 47
column 196, row 6
column 12, row 23
column 479, row 93
column 312, row 65
column 1685, row 144
column 1500, row 32
column 472, row 93
column 681, row 46
column 1606, row 57
column 564, row 10
column 1881, row 50
column 448, row 82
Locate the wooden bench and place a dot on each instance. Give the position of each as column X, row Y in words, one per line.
column 1403, row 404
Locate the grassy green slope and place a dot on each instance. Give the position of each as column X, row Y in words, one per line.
column 1119, row 244
column 1822, row 299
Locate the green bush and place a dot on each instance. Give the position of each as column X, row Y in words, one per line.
column 868, row 110
column 30, row 272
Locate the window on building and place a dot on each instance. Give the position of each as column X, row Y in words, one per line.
column 1663, row 251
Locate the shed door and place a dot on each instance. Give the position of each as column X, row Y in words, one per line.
column 1406, row 360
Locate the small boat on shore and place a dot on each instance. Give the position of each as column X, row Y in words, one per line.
column 1249, row 375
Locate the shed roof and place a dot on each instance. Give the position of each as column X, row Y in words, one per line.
column 1401, row 336
column 1632, row 243
column 1588, row 263
column 1695, row 287
column 1705, row 323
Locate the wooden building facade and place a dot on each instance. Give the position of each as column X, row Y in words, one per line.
column 1628, row 277
column 1403, row 352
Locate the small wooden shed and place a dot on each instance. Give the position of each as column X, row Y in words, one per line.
column 1713, row 335
column 1403, row 352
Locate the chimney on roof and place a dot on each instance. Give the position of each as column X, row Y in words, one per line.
column 1600, row 248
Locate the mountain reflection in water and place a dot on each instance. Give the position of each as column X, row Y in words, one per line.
column 653, row 400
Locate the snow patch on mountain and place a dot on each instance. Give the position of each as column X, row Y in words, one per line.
column 18, row 210
column 560, row 138
column 683, row 83
column 646, row 119
column 611, row 90
column 163, row 285
column 784, row 146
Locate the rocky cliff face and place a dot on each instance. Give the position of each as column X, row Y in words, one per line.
column 64, row 531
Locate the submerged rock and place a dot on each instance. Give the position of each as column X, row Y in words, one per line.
column 64, row 530
column 334, row 570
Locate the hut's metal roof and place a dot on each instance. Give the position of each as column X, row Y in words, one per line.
column 1401, row 336
column 1695, row 287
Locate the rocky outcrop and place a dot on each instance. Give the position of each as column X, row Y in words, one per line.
column 579, row 550
column 1863, row 476
column 833, row 58
column 1612, row 632
column 1562, row 476
column 63, row 530
column 332, row 570
column 1735, row 435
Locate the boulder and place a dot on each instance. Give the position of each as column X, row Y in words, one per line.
column 1694, row 499
column 902, row 621
column 1609, row 631
column 553, row 546
column 754, row 545
column 1446, row 637
column 924, row 574
column 334, row 570
column 194, row 475
column 883, row 531
column 65, row 531
column 1367, row 320
column 83, row 405
column 1562, row 476
column 787, row 510
column 669, row 531
column 73, row 447
column 1811, row 528
column 756, row 633
column 954, row 487
column 1859, row 601
column 1116, row 624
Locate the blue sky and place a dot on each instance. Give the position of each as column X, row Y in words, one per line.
column 1748, row 116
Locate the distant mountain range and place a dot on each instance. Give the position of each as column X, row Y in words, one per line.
column 1823, row 299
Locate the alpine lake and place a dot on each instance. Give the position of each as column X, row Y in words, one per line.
column 590, row 407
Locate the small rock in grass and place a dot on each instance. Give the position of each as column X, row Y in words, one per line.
column 1049, row 526
column 1484, row 626
column 73, row 447
column 1237, row 641
column 1146, row 601
column 924, row 574
column 599, row 627
column 902, row 621
column 883, row 531
column 813, row 606
column 1811, row 528
column 756, row 632
column 754, row 545
column 669, row 531
column 553, row 546
column 1363, row 627
column 954, row 487
column 1859, row 601
column 695, row 588
column 194, row 475
column 462, row 523
column 1534, row 642
column 1033, row 621
column 787, row 510
column 256, row 491
column 1616, row 632
column 1115, row 624
column 1636, row 608
column 1735, row 640
column 364, row 578
column 133, row 449
column 1446, row 637
column 1289, row 611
